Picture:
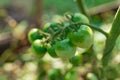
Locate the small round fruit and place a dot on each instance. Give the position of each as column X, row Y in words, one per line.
column 65, row 49
column 76, row 60
column 51, row 51
column 34, row 34
column 78, row 17
column 83, row 38
column 48, row 26
column 39, row 48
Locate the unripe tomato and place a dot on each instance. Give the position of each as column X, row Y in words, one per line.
column 76, row 60
column 65, row 49
column 39, row 48
column 51, row 51
column 48, row 26
column 83, row 38
column 34, row 34
column 78, row 17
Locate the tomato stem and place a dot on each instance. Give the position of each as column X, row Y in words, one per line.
column 93, row 27
column 113, row 35
column 82, row 6
column 46, row 34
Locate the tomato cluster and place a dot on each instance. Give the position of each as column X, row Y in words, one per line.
column 61, row 39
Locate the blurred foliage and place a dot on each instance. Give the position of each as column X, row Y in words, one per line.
column 60, row 6
column 94, row 3
column 4, row 2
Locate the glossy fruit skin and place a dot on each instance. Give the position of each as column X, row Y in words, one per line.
column 39, row 48
column 76, row 60
column 34, row 34
column 65, row 49
column 51, row 51
column 83, row 38
column 51, row 25
column 78, row 17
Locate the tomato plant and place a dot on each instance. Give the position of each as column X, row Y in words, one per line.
column 63, row 37
column 34, row 34
column 39, row 48
column 65, row 49
column 83, row 37
column 78, row 17
column 63, row 41
column 50, row 27
column 74, row 47
column 51, row 51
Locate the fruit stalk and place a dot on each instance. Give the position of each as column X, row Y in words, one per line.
column 93, row 27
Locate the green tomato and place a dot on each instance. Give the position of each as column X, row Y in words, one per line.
column 34, row 34
column 51, row 51
column 65, row 49
column 54, row 74
column 76, row 60
column 48, row 26
column 39, row 48
column 78, row 17
column 83, row 38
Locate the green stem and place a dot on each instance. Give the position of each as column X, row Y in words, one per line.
column 93, row 27
column 46, row 34
column 57, row 33
column 62, row 29
column 103, row 74
column 81, row 6
column 113, row 35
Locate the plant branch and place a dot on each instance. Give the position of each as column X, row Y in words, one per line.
column 81, row 6
column 113, row 35
column 38, row 12
column 93, row 27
